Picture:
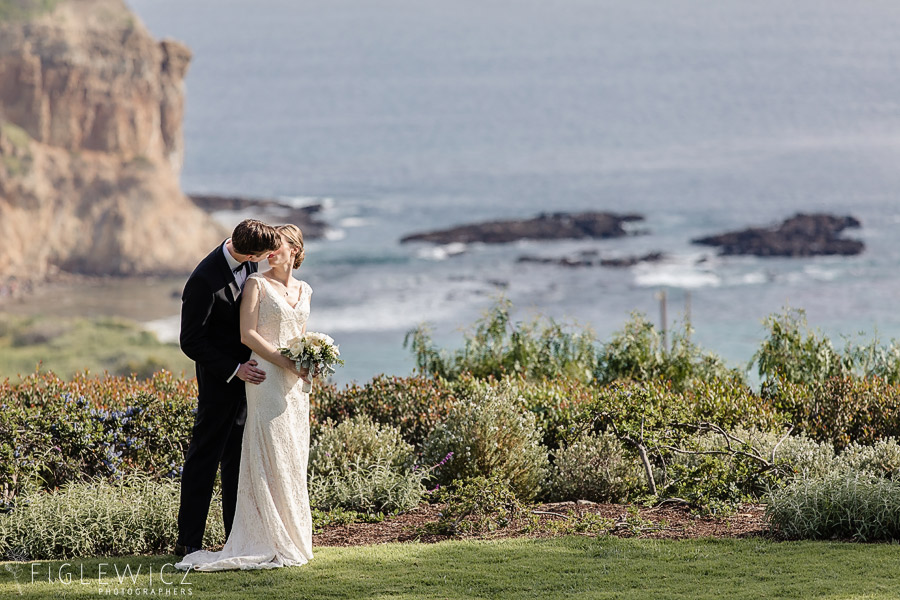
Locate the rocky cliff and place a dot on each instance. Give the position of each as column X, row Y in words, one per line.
column 91, row 146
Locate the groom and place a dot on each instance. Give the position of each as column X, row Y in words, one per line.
column 210, row 335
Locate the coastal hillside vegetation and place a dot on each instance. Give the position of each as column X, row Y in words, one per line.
column 524, row 412
column 67, row 346
column 20, row 10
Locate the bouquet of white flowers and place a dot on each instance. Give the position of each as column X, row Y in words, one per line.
column 314, row 351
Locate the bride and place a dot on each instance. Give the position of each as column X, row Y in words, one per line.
column 272, row 523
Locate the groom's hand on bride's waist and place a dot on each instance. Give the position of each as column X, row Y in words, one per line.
column 249, row 373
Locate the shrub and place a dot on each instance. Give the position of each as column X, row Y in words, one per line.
column 555, row 403
column 55, row 432
column 412, row 404
column 595, row 467
column 490, row 434
column 841, row 410
column 840, row 505
column 719, row 468
column 660, row 423
column 638, row 353
column 475, row 505
column 358, row 443
column 135, row 515
column 881, row 459
column 795, row 455
column 38, row 333
column 362, row 466
column 371, row 488
column 498, row 346
column 794, row 353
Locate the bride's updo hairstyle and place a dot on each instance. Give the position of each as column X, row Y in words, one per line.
column 295, row 240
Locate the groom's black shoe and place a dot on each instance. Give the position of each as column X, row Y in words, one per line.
column 182, row 550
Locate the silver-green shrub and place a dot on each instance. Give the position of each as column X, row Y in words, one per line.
column 881, row 458
column 364, row 466
column 371, row 488
column 799, row 454
column 595, row 467
column 490, row 433
column 136, row 515
column 358, row 442
column 840, row 505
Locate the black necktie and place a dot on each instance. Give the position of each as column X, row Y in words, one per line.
column 241, row 267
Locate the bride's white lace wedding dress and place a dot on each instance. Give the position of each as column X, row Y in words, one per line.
column 272, row 524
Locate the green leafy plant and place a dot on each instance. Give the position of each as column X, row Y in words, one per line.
column 490, row 434
column 595, row 467
column 363, row 466
column 373, row 488
column 414, row 405
column 498, row 346
column 475, row 505
column 839, row 505
column 794, row 353
column 134, row 515
column 841, row 410
column 358, row 442
column 638, row 353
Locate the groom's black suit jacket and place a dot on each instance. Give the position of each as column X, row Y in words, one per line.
column 210, row 320
column 211, row 336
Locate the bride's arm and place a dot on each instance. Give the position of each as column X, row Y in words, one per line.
column 250, row 336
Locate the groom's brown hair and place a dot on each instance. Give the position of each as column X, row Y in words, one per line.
column 253, row 237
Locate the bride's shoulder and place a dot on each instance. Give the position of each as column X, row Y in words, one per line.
column 255, row 280
column 305, row 287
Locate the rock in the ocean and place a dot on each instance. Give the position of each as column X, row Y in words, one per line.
column 270, row 211
column 91, row 109
column 554, row 226
column 801, row 235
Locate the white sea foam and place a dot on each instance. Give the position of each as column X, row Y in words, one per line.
column 166, row 329
column 755, row 278
column 355, row 222
column 332, row 234
column 442, row 252
column 675, row 275
column 821, row 272
column 303, row 201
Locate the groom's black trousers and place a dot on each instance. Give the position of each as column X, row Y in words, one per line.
column 215, row 440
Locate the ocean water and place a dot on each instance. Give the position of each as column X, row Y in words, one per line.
column 703, row 115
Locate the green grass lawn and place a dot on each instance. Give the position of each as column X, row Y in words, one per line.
column 571, row 567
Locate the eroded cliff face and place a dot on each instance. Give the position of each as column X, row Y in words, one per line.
column 91, row 108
